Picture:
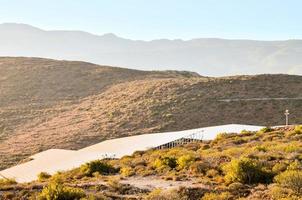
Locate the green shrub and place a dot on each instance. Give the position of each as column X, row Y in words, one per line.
column 97, row 166
column 221, row 136
column 279, row 167
column 170, row 162
column 266, row 129
column 127, row 171
column 298, row 129
column 246, row 171
column 57, row 191
column 296, row 165
column 291, row 148
column 246, row 133
column 43, row 176
column 291, row 179
column 261, row 148
column 185, row 161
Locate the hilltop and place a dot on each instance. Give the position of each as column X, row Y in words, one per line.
column 66, row 104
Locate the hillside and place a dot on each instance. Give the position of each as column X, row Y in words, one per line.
column 34, row 90
column 61, row 104
column 250, row 165
column 207, row 56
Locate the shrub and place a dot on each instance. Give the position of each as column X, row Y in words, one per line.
column 296, row 165
column 298, row 129
column 291, row 148
column 279, row 167
column 97, row 166
column 261, row 148
column 216, row 196
column 246, row 133
column 57, row 191
column 221, row 136
column 154, row 194
column 238, row 140
column 114, row 184
column 212, row 173
column 185, row 161
column 266, row 129
column 127, row 171
column 291, row 179
column 7, row 195
column 200, row 167
column 7, row 181
column 236, row 186
column 277, row 192
column 245, row 170
column 43, row 176
column 206, row 146
column 170, row 162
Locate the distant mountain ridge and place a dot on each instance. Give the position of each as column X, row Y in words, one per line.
column 210, row 57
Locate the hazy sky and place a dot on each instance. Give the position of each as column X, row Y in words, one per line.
column 151, row 19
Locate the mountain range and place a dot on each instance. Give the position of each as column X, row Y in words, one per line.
column 206, row 56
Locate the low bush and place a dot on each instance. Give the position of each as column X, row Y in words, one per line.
column 296, row 165
column 291, row 179
column 277, row 192
column 97, row 166
column 57, row 191
column 159, row 194
column 266, row 129
column 217, row 196
column 298, row 129
column 236, row 186
column 200, row 167
column 7, row 182
column 170, row 162
column 43, row 176
column 246, row 133
column 246, row 171
column 185, row 161
column 127, row 171
column 261, row 148
column 212, row 173
column 221, row 136
column 279, row 167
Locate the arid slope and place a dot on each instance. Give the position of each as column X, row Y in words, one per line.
column 58, row 104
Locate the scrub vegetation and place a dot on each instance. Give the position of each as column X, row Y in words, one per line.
column 47, row 104
column 262, row 165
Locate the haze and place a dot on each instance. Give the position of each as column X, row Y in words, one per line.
column 210, row 57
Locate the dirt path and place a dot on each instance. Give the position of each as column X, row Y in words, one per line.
column 153, row 182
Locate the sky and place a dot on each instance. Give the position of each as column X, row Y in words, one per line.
column 155, row 19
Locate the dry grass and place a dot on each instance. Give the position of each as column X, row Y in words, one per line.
column 58, row 104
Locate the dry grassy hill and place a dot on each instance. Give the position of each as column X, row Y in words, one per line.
column 59, row 104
